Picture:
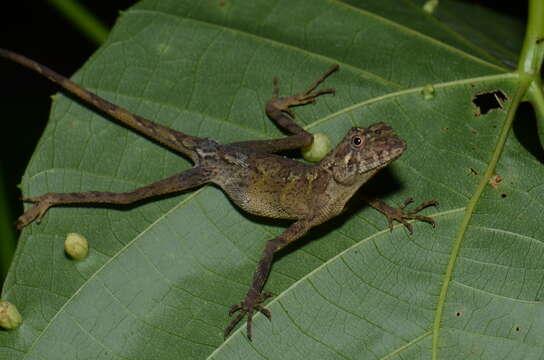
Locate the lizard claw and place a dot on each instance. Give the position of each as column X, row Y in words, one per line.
column 248, row 306
column 401, row 215
column 264, row 311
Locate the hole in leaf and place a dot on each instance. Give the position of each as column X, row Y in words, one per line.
column 490, row 100
column 503, row 196
column 458, row 313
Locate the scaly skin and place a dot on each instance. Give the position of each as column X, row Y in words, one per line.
column 256, row 179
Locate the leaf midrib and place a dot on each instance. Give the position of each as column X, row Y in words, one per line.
column 524, row 84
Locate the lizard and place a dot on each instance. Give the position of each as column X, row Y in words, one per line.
column 252, row 174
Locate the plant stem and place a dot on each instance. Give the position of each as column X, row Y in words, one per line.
column 532, row 53
column 82, row 19
column 530, row 61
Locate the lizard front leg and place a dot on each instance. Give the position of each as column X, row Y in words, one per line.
column 255, row 296
column 400, row 213
column 185, row 180
column 278, row 109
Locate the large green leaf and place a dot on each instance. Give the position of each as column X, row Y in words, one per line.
column 161, row 276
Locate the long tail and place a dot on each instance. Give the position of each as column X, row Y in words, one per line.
column 175, row 140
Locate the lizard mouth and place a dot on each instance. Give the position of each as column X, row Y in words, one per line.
column 396, row 147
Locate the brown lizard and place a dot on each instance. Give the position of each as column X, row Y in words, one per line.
column 250, row 173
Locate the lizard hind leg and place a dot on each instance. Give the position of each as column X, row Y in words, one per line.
column 182, row 181
column 255, row 294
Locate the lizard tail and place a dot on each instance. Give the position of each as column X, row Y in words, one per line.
column 173, row 139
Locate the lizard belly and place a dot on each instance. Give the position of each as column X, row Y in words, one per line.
column 260, row 200
column 270, row 185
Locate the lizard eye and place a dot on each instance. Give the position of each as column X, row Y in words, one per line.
column 357, row 142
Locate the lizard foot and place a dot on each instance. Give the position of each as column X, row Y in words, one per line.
column 401, row 215
column 284, row 103
column 248, row 306
column 36, row 212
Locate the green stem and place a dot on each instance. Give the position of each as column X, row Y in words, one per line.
column 82, row 19
column 532, row 52
column 530, row 61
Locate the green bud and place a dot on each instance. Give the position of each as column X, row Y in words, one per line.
column 76, row 246
column 10, row 318
column 318, row 149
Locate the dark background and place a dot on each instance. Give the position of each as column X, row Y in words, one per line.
column 36, row 29
column 39, row 31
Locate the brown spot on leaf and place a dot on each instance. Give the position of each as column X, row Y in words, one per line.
column 489, row 100
column 495, row 180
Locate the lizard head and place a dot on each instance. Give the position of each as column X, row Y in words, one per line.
column 363, row 152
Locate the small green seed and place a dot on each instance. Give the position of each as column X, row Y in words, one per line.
column 76, row 246
column 318, row 149
column 10, row 318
